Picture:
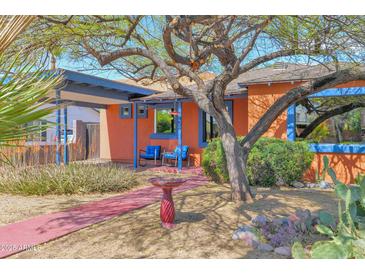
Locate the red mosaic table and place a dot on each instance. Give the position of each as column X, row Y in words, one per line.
column 167, row 209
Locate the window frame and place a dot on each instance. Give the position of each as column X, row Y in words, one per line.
column 121, row 112
column 202, row 143
column 163, row 136
column 145, row 111
column 326, row 148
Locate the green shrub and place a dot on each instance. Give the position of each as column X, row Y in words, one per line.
column 74, row 178
column 269, row 161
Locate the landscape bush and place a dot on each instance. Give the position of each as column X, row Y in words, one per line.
column 74, row 178
column 270, row 161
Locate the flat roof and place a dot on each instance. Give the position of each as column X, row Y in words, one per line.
column 82, row 89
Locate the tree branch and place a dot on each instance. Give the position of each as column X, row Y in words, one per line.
column 328, row 114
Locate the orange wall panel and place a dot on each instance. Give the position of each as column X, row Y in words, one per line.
column 346, row 166
column 260, row 99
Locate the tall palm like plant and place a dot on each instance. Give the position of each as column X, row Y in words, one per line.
column 23, row 86
column 23, row 90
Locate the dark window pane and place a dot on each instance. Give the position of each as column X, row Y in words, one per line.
column 125, row 111
column 141, row 110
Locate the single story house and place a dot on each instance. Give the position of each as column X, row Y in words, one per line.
column 168, row 120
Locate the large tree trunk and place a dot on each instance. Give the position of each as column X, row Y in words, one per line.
column 235, row 164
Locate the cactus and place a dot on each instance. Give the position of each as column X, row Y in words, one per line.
column 320, row 176
column 347, row 239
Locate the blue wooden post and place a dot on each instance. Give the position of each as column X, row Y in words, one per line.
column 65, row 148
column 58, row 128
column 290, row 127
column 135, row 136
column 179, row 136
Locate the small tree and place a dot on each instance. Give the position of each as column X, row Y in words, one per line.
column 170, row 47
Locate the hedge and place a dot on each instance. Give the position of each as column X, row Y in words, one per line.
column 270, row 161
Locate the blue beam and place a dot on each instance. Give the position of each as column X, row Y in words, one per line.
column 65, row 148
column 338, row 148
column 290, row 129
column 336, row 92
column 179, row 136
column 58, row 127
column 135, row 136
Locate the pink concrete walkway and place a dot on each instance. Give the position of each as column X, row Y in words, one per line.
column 25, row 234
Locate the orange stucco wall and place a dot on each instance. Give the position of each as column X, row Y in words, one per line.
column 261, row 97
column 117, row 133
column 346, row 166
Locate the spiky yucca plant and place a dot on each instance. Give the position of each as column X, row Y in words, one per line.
column 23, row 89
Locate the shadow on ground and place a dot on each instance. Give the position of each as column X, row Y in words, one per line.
column 205, row 221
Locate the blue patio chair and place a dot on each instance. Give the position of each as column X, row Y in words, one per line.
column 151, row 153
column 174, row 155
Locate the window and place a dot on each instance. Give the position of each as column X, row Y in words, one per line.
column 37, row 135
column 342, row 133
column 208, row 128
column 164, row 121
column 126, row 111
column 141, row 111
column 69, row 135
column 344, row 128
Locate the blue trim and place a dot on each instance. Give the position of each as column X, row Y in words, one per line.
column 65, row 148
column 163, row 136
column 327, row 148
column 336, row 92
column 78, row 77
column 291, row 123
column 135, row 137
column 338, row 148
column 164, row 105
column 125, row 106
column 179, row 136
column 201, row 143
column 145, row 111
column 58, row 127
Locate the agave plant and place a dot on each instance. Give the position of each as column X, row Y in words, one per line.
column 347, row 239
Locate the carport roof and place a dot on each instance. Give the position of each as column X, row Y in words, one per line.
column 88, row 90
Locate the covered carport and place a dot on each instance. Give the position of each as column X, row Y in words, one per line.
column 85, row 90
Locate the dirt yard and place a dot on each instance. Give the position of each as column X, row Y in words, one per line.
column 17, row 207
column 205, row 222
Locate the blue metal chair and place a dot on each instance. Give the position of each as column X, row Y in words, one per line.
column 151, row 153
column 174, row 155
